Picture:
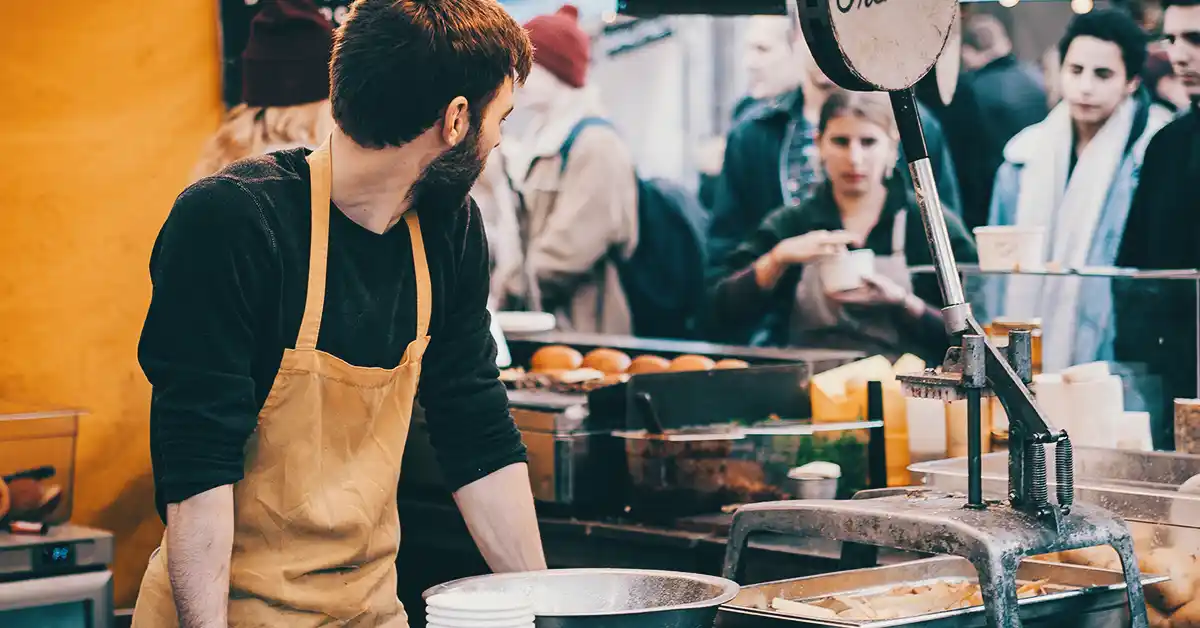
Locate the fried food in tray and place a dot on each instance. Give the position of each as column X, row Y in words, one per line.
column 902, row 601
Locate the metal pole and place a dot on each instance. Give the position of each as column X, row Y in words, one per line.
column 908, row 120
column 974, row 381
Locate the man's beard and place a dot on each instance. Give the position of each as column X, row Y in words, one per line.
column 449, row 178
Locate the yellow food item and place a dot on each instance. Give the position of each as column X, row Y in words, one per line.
column 1188, row 616
column 1156, row 618
column 692, row 363
column 556, row 358
column 607, row 361
column 648, row 364
column 1103, row 557
column 800, row 609
column 1176, row 592
column 832, row 402
column 730, row 363
column 902, row 601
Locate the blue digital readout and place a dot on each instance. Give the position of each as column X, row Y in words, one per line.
column 57, row 555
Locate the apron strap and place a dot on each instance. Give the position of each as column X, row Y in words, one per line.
column 899, row 231
column 421, row 271
column 320, row 168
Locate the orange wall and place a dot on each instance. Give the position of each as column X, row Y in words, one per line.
column 105, row 105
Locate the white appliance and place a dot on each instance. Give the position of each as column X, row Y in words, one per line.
column 61, row 579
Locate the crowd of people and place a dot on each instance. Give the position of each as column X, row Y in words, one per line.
column 1099, row 148
column 801, row 175
column 327, row 270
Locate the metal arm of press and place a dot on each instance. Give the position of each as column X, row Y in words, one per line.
column 1008, row 376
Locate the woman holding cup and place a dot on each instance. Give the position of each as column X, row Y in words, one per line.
column 832, row 272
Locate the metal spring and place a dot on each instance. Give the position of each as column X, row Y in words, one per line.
column 1064, row 472
column 1035, row 470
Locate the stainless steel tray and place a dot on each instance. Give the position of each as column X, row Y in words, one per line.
column 1096, row 600
column 1142, row 487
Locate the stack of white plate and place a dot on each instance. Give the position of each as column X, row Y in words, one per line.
column 462, row 609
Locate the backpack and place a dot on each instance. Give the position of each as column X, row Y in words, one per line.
column 664, row 278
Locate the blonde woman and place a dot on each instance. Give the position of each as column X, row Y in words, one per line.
column 772, row 276
column 285, row 87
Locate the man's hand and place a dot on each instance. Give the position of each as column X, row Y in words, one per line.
column 499, row 513
column 199, row 542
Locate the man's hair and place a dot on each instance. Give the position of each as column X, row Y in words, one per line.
column 397, row 64
column 1179, row 3
column 1114, row 26
column 983, row 32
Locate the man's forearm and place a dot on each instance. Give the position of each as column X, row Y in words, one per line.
column 499, row 513
column 199, row 542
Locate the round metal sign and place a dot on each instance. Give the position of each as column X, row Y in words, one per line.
column 867, row 45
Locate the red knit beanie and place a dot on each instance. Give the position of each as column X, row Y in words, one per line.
column 560, row 46
column 286, row 61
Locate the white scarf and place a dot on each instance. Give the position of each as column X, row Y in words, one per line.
column 1069, row 210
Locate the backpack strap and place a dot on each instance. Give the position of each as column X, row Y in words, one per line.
column 565, row 149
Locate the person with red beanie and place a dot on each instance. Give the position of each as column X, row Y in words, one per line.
column 285, row 87
column 580, row 187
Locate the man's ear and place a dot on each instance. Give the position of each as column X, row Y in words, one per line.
column 1133, row 85
column 457, row 121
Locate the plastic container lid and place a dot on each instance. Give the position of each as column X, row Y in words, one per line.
column 816, row 471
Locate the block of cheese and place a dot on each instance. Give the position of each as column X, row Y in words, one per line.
column 831, row 401
column 841, row 395
column 908, row 363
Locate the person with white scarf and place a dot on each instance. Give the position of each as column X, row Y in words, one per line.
column 1074, row 175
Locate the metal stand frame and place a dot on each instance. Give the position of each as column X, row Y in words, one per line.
column 994, row 536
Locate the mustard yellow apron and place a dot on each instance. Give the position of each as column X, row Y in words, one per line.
column 316, row 525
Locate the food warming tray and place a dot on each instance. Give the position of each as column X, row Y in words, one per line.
column 1095, row 599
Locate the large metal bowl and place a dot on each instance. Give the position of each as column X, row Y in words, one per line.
column 609, row 598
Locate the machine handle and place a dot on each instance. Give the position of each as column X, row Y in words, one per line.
column 908, row 121
column 753, row 519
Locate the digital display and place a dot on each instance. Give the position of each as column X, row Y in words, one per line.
column 58, row 555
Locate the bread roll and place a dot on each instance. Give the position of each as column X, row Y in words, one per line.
column 648, row 364
column 730, row 363
column 692, row 363
column 1103, row 557
column 555, row 358
column 1177, row 565
column 607, row 361
column 1156, row 618
column 25, row 495
column 1188, row 616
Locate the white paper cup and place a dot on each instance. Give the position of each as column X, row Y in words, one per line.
column 1009, row 248
column 846, row 271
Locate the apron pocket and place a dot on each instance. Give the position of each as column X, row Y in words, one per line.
column 336, row 570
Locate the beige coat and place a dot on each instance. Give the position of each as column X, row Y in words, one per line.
column 498, row 205
column 575, row 222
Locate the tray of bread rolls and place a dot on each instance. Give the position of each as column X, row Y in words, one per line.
column 562, row 368
column 685, row 391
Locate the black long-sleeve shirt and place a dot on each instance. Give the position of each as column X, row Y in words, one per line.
column 1156, row 320
column 230, row 273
